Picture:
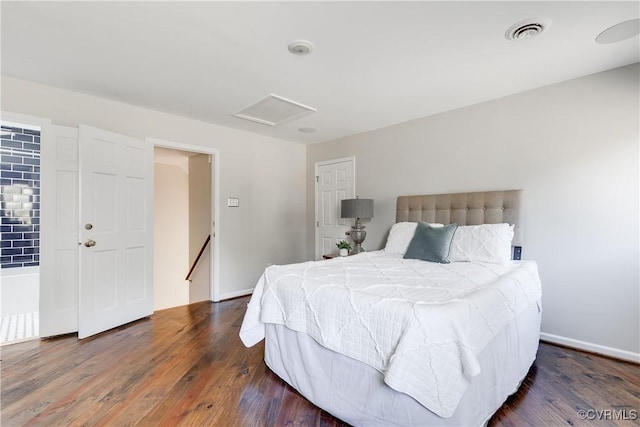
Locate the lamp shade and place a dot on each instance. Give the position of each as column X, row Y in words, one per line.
column 356, row 208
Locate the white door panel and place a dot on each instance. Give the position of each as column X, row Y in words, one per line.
column 335, row 182
column 116, row 275
column 59, row 231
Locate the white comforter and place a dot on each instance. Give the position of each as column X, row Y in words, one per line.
column 421, row 324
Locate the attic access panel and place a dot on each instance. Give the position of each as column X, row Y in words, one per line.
column 274, row 110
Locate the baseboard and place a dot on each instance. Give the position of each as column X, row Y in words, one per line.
column 594, row 348
column 236, row 294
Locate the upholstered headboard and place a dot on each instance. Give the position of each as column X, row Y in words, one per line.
column 488, row 207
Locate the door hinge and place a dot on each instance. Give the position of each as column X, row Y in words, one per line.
column 317, row 179
column 317, row 223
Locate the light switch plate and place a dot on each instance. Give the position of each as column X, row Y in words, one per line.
column 233, row 202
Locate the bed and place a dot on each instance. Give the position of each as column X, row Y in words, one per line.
column 379, row 339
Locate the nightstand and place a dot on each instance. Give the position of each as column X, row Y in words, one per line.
column 331, row 256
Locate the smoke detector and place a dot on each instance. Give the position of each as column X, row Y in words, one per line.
column 300, row 47
column 527, row 29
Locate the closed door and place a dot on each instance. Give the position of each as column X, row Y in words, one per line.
column 116, row 230
column 334, row 182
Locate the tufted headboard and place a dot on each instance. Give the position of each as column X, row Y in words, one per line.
column 488, row 207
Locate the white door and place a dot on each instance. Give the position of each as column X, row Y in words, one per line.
column 116, row 230
column 334, row 183
column 59, row 231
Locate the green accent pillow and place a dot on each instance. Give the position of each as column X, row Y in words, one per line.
column 431, row 243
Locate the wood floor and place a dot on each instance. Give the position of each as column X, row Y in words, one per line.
column 187, row 366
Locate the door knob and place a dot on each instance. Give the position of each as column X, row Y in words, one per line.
column 89, row 243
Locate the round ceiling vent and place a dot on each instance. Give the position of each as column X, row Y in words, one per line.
column 300, row 47
column 617, row 33
column 527, row 29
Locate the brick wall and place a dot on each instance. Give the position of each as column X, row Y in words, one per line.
column 20, row 197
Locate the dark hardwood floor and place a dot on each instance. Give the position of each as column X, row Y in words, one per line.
column 187, row 366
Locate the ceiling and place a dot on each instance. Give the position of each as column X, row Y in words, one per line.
column 374, row 64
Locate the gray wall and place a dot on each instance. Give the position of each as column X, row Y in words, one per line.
column 573, row 148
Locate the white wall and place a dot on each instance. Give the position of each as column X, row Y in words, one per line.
column 573, row 148
column 267, row 174
column 199, row 225
column 171, row 230
column 19, row 290
column 200, row 278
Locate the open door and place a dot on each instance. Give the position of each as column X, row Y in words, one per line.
column 59, row 231
column 116, row 230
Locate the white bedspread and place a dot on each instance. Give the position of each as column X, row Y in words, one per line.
column 419, row 323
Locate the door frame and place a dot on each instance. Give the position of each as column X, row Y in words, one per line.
column 24, row 119
column 351, row 159
column 214, row 227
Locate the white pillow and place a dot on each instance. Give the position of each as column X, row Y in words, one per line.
column 400, row 236
column 482, row 243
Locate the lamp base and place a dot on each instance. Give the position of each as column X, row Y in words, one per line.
column 358, row 235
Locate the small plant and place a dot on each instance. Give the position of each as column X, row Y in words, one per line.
column 343, row 244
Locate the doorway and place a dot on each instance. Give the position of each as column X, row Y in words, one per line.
column 103, row 155
column 61, row 223
column 182, row 227
column 20, row 247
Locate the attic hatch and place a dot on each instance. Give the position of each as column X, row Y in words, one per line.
column 274, row 110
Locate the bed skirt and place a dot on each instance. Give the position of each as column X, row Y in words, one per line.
column 356, row 393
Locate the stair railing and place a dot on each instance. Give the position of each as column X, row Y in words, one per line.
column 204, row 245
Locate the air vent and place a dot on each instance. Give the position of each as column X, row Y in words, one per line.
column 619, row 32
column 274, row 110
column 527, row 29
